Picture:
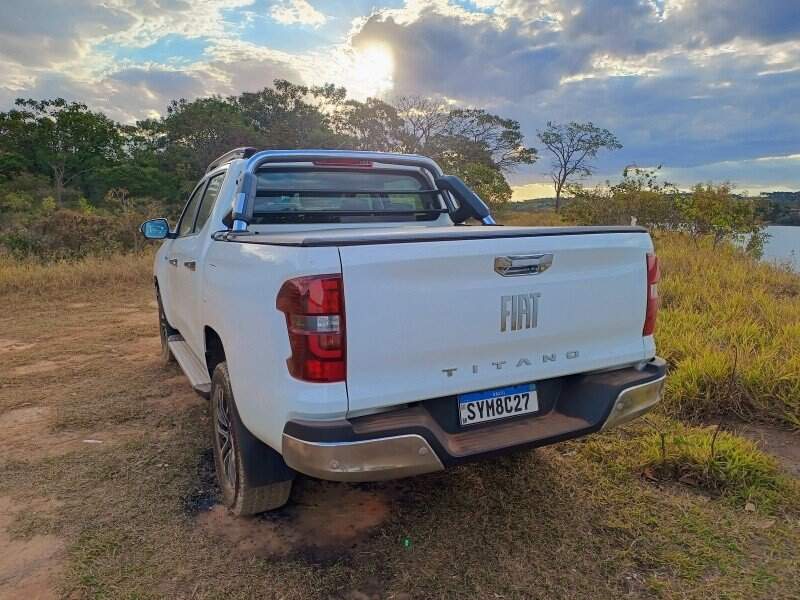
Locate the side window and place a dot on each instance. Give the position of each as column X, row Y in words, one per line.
column 189, row 213
column 209, row 198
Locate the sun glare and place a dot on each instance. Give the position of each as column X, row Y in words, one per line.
column 372, row 70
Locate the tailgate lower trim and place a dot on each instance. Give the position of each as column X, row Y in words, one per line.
column 584, row 406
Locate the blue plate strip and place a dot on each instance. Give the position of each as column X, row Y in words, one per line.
column 504, row 391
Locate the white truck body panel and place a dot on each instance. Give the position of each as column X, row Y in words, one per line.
column 416, row 311
column 422, row 318
column 254, row 333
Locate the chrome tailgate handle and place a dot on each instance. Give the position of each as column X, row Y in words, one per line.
column 527, row 264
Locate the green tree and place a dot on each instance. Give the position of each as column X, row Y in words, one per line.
column 572, row 147
column 291, row 116
column 713, row 210
column 193, row 134
column 487, row 182
column 501, row 138
column 63, row 139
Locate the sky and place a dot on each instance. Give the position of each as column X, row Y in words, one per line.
column 708, row 89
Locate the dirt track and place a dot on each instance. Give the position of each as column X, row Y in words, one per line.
column 46, row 381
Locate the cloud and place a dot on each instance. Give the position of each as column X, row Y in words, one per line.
column 66, row 49
column 673, row 91
column 39, row 33
column 476, row 59
column 714, row 22
column 136, row 92
column 297, row 12
column 758, row 175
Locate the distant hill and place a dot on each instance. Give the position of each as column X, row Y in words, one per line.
column 782, row 197
column 782, row 208
column 531, row 205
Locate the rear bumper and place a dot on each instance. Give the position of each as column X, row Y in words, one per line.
column 413, row 440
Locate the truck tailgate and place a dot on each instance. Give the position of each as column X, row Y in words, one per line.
column 434, row 318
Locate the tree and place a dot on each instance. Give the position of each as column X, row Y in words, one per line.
column 501, row 138
column 639, row 197
column 476, row 145
column 62, row 139
column 369, row 125
column 291, row 116
column 424, row 118
column 713, row 210
column 193, row 134
column 487, row 182
column 573, row 146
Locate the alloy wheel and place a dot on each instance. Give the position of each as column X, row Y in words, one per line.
column 222, row 427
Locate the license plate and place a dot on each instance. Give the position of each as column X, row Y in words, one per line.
column 489, row 405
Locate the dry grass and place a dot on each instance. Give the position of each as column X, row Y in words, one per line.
column 543, row 218
column 573, row 521
column 32, row 278
column 730, row 329
column 729, row 326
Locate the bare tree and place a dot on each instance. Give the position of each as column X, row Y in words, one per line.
column 573, row 146
column 430, row 124
column 425, row 118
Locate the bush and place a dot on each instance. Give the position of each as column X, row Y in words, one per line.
column 714, row 211
column 70, row 234
column 639, row 197
column 708, row 211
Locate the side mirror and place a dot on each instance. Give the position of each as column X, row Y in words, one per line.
column 155, row 229
column 469, row 203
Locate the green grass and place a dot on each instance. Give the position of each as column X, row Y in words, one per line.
column 729, row 326
column 719, row 462
column 706, row 459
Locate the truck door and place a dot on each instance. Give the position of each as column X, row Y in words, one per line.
column 192, row 264
column 172, row 294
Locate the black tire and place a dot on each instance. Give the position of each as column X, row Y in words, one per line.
column 252, row 476
column 164, row 331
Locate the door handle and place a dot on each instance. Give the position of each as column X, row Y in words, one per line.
column 173, row 262
column 529, row 264
column 190, row 264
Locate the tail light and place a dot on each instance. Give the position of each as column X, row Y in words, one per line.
column 314, row 309
column 653, row 275
column 343, row 162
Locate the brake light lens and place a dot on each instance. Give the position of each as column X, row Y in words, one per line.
column 343, row 162
column 314, row 309
column 653, row 275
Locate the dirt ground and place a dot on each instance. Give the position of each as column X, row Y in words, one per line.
column 106, row 490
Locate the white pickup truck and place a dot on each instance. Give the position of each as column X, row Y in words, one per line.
column 347, row 324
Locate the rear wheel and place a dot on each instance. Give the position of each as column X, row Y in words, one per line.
column 252, row 476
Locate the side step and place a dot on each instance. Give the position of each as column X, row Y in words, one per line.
column 194, row 370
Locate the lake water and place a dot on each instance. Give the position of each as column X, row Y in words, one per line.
column 783, row 245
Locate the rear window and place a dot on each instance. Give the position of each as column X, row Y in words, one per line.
column 343, row 196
